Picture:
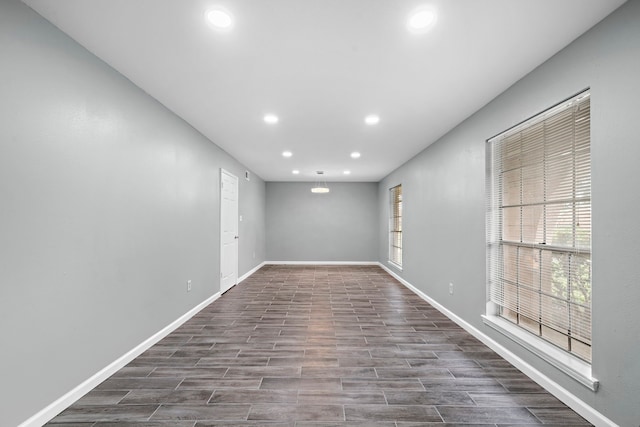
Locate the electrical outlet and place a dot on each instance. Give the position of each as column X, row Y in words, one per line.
column 188, row 285
column 450, row 288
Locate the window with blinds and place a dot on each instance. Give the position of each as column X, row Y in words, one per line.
column 395, row 225
column 539, row 225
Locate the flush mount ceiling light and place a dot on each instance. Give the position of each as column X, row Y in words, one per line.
column 320, row 186
column 372, row 119
column 219, row 19
column 287, row 154
column 295, row 171
column 422, row 20
column 347, row 172
column 355, row 155
column 271, row 119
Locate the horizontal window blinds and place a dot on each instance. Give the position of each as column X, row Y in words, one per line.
column 395, row 225
column 539, row 225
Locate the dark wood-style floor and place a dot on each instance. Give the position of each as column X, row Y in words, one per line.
column 318, row 346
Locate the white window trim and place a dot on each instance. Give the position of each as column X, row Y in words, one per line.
column 390, row 240
column 394, row 265
column 571, row 365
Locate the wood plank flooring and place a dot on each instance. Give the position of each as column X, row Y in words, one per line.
column 316, row 346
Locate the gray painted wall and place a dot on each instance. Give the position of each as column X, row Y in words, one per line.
column 444, row 205
column 108, row 205
column 338, row 226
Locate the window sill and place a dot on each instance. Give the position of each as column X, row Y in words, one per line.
column 577, row 369
column 394, row 265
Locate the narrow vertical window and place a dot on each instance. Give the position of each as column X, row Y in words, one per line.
column 395, row 225
column 539, row 226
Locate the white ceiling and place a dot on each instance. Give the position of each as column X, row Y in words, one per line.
column 322, row 66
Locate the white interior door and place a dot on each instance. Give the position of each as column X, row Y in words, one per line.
column 228, row 230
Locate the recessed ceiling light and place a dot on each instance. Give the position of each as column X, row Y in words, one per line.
column 355, row 155
column 372, row 119
column 271, row 119
column 347, row 172
column 287, row 154
column 295, row 171
column 421, row 20
column 219, row 19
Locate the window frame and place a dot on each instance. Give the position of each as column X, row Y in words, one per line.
column 395, row 226
column 498, row 239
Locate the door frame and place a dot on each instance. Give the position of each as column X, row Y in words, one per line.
column 237, row 245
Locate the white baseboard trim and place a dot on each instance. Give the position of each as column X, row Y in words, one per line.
column 250, row 272
column 568, row 398
column 89, row 384
column 321, row 262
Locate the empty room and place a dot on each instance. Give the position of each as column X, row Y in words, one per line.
column 319, row 213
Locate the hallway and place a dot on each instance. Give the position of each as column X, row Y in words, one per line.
column 318, row 346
